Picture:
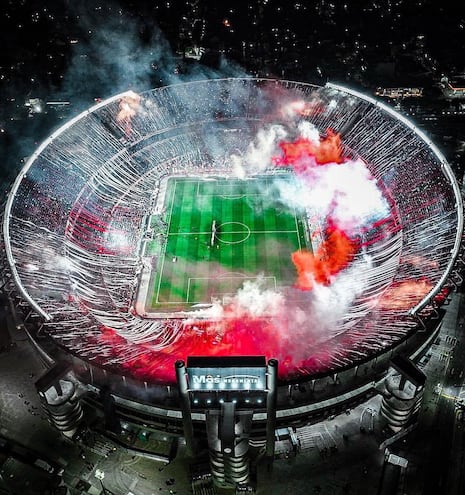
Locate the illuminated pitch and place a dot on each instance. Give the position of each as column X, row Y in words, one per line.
column 213, row 234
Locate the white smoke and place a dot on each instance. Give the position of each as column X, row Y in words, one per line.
column 318, row 315
column 123, row 52
column 308, row 131
column 252, row 300
column 259, row 153
column 255, row 300
column 345, row 192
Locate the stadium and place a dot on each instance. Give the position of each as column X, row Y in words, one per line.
column 233, row 217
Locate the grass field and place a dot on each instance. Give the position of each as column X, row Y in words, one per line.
column 219, row 233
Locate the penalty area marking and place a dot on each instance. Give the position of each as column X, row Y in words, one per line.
column 271, row 284
column 225, row 195
column 232, row 196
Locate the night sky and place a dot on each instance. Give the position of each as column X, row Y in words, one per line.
column 79, row 51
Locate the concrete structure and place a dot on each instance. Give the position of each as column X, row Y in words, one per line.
column 404, row 387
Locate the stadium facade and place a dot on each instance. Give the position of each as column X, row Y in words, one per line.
column 87, row 228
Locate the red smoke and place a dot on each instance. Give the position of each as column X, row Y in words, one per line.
column 338, row 250
column 128, row 107
column 403, row 295
column 334, row 254
column 232, row 336
column 304, row 108
column 327, row 150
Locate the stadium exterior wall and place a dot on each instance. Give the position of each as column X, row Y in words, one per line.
column 303, row 402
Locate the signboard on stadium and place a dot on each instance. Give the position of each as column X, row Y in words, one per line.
column 226, row 373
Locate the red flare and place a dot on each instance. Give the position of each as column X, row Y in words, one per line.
column 304, row 108
column 334, row 254
column 441, row 297
column 229, row 337
column 327, row 150
column 109, row 336
column 128, row 108
column 403, row 295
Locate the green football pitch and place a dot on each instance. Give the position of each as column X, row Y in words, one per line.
column 218, row 233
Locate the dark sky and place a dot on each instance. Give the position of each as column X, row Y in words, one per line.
column 43, row 55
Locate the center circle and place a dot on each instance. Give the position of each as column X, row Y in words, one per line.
column 232, row 233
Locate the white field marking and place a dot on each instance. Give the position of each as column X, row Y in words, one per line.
column 166, row 244
column 239, row 231
column 271, row 278
column 163, row 255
